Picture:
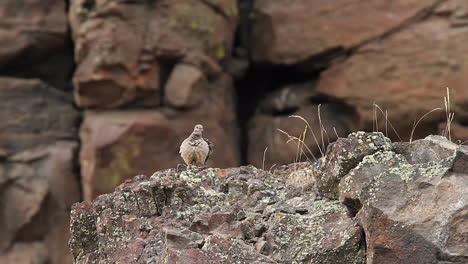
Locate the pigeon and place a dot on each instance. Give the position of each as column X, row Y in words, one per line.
column 195, row 150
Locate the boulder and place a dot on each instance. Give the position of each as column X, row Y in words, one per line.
column 411, row 201
column 343, row 155
column 303, row 30
column 406, row 73
column 126, row 50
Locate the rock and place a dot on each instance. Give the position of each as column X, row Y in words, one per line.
column 411, row 202
column 274, row 113
column 38, row 183
column 33, row 113
column 323, row 234
column 345, row 154
column 125, row 50
column 38, row 186
column 185, row 86
column 408, row 90
column 303, row 30
column 37, row 46
column 119, row 144
column 172, row 216
column 26, row 253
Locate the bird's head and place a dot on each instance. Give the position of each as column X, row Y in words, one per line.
column 198, row 130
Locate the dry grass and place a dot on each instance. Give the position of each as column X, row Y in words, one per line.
column 387, row 122
column 302, row 177
column 415, row 124
column 448, row 115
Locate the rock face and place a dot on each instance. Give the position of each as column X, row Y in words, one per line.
column 304, row 29
column 118, row 144
column 34, row 41
column 391, row 203
column 124, row 50
column 324, row 122
column 38, row 183
column 409, row 197
column 418, row 194
column 411, row 68
column 239, row 215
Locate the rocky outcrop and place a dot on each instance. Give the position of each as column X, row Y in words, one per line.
column 124, row 50
column 391, row 203
column 409, row 68
column 303, row 30
column 400, row 56
column 38, row 183
column 241, row 215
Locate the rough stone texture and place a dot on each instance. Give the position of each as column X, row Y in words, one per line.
column 38, row 183
column 184, row 87
column 33, row 113
column 407, row 72
column 116, row 145
column 274, row 113
column 412, row 202
column 304, row 29
column 124, row 50
column 238, row 215
column 34, row 40
column 345, row 154
column 409, row 198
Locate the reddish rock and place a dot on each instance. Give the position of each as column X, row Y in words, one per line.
column 406, row 73
column 125, row 50
column 43, row 32
column 37, row 171
column 35, row 252
column 301, row 29
column 33, row 113
column 39, row 189
column 274, row 113
column 185, row 87
column 119, row 144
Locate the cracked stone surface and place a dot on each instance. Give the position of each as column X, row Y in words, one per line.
column 125, row 49
column 237, row 215
column 304, row 29
column 387, row 203
column 407, row 72
column 38, row 183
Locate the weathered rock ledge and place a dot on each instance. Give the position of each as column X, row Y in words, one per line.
column 367, row 200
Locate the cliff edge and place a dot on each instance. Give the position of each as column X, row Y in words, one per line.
column 367, row 200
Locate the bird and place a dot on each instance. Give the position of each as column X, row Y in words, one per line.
column 195, row 150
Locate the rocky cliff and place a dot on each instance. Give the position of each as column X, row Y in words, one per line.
column 94, row 92
column 366, row 201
